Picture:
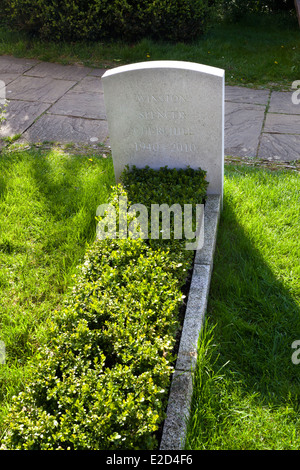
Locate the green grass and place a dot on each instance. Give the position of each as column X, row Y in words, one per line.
column 246, row 386
column 259, row 51
column 247, row 389
column 48, row 204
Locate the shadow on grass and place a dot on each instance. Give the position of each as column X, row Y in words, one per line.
column 48, row 207
column 65, row 191
column 248, row 372
column 81, row 180
column 257, row 317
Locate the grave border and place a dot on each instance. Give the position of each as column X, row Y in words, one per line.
column 181, row 390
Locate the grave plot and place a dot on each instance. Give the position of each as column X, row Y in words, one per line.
column 170, row 113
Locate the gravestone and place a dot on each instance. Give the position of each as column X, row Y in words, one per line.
column 167, row 113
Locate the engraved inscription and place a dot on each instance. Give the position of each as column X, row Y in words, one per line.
column 161, row 99
column 167, row 131
column 158, row 111
column 172, row 147
column 179, row 147
column 144, row 146
column 151, row 115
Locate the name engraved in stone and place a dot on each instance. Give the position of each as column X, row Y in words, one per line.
column 164, row 131
column 168, row 115
column 161, row 99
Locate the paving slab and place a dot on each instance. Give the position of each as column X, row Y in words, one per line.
column 86, row 105
column 243, row 126
column 47, row 90
column 97, row 72
column 281, row 102
column 282, row 123
column 275, row 147
column 66, row 129
column 19, row 116
column 59, row 71
column 89, row 85
column 9, row 64
column 7, row 77
column 238, row 94
column 75, row 92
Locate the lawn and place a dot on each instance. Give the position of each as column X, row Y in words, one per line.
column 247, row 388
column 246, row 393
column 48, row 202
column 260, row 51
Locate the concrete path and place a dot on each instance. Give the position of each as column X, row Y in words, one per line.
column 52, row 102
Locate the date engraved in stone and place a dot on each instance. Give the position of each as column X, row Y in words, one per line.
column 142, row 146
column 183, row 147
column 172, row 147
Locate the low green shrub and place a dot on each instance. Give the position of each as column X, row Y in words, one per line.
column 237, row 9
column 171, row 20
column 102, row 381
column 75, row 19
column 98, row 19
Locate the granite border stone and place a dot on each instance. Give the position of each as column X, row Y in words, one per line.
column 181, row 390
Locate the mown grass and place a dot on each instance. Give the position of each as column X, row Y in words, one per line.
column 246, row 385
column 259, row 51
column 247, row 389
column 48, row 202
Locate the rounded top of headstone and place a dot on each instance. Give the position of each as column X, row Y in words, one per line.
column 167, row 65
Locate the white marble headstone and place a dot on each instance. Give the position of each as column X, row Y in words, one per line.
column 167, row 113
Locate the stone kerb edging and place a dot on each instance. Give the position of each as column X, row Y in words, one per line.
column 174, row 429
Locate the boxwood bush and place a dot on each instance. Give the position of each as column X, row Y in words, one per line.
column 102, row 380
column 240, row 8
column 97, row 19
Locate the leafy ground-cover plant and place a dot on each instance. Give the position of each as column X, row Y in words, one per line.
column 102, row 380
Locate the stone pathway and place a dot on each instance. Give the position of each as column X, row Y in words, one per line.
column 64, row 103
